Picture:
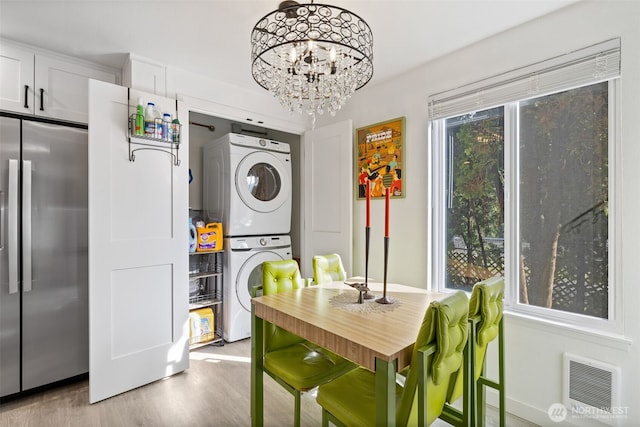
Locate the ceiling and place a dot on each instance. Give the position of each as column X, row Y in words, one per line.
column 211, row 37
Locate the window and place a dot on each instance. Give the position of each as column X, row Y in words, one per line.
column 474, row 198
column 546, row 138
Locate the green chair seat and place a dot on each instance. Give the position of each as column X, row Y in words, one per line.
column 305, row 365
column 437, row 357
column 351, row 398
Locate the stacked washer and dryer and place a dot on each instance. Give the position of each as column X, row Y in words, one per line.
column 247, row 187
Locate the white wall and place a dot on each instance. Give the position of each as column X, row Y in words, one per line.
column 534, row 349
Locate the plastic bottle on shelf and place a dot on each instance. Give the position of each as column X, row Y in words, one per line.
column 166, row 124
column 171, row 128
column 193, row 236
column 175, row 126
column 139, row 126
column 150, row 120
column 158, row 118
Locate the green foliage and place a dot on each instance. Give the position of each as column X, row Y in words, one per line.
column 477, row 209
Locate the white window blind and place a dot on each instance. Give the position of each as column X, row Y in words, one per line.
column 579, row 68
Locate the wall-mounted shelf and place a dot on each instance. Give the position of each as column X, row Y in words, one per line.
column 144, row 142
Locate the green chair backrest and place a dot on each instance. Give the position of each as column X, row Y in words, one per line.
column 487, row 301
column 445, row 326
column 280, row 276
column 485, row 304
column 328, row 268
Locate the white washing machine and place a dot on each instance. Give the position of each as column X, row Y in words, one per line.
column 242, row 271
column 247, row 185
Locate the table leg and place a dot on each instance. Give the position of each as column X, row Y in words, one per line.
column 257, row 357
column 385, row 393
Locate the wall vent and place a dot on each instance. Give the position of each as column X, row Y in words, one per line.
column 591, row 387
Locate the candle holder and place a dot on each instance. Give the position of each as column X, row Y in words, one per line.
column 385, row 299
column 387, row 181
column 366, row 294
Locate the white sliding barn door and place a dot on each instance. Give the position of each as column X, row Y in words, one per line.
column 328, row 190
column 138, row 256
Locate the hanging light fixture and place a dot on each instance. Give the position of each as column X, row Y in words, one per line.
column 311, row 57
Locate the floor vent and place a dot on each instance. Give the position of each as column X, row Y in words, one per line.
column 590, row 386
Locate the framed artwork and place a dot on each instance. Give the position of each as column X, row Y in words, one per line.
column 379, row 154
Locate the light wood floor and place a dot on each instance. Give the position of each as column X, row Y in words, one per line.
column 214, row 391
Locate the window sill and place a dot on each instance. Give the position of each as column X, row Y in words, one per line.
column 599, row 337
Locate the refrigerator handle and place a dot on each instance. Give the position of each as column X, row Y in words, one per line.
column 12, row 242
column 26, row 225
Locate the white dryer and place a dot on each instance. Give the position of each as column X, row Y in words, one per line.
column 242, row 271
column 247, row 185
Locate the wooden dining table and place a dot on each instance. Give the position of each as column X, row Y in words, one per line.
column 379, row 338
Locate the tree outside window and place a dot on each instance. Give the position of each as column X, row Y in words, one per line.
column 475, row 198
column 563, row 145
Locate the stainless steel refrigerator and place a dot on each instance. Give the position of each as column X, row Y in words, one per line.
column 43, row 253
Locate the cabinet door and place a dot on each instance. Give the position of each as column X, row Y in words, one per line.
column 328, row 204
column 145, row 75
column 138, row 260
column 61, row 90
column 16, row 79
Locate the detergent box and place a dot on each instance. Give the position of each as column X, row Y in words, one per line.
column 201, row 326
column 209, row 237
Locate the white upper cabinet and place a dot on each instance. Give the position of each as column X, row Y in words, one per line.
column 47, row 85
column 16, row 79
column 145, row 74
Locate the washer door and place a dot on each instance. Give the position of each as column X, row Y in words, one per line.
column 263, row 181
column 250, row 275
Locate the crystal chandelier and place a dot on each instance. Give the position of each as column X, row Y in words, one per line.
column 311, row 57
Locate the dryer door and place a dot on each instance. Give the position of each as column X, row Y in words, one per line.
column 263, row 181
column 250, row 275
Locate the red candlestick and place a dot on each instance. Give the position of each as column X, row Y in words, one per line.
column 386, row 212
column 368, row 204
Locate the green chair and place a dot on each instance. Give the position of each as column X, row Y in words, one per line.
column 485, row 325
column 296, row 364
column 438, row 355
column 328, row 268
